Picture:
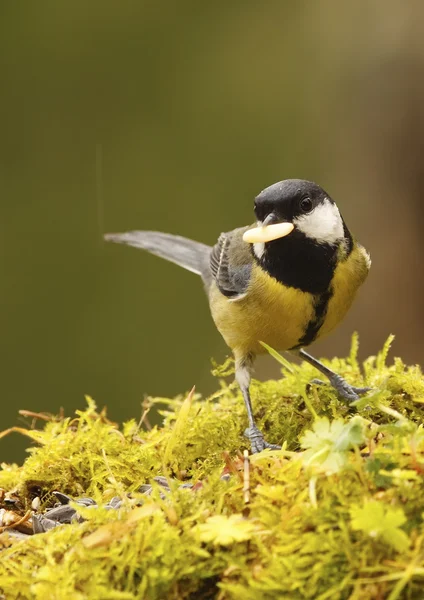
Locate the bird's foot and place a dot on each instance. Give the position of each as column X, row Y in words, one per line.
column 257, row 440
column 343, row 388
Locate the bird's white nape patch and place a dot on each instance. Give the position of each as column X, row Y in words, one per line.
column 367, row 256
column 259, row 249
column 324, row 224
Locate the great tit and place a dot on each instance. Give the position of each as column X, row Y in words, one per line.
column 287, row 280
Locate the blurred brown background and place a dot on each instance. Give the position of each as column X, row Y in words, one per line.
column 173, row 116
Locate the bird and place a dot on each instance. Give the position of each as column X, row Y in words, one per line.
column 287, row 280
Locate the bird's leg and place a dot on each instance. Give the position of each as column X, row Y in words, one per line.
column 243, row 375
column 348, row 392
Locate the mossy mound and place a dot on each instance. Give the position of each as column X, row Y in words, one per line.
column 336, row 514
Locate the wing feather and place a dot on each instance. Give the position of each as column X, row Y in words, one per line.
column 231, row 264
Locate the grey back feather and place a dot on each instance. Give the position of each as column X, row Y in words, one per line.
column 191, row 255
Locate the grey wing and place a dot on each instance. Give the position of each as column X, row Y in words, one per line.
column 231, row 264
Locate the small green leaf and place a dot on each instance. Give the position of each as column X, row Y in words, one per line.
column 328, row 443
column 224, row 531
column 381, row 521
column 351, row 435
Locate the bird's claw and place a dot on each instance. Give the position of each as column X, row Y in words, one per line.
column 343, row 388
column 346, row 391
column 257, row 440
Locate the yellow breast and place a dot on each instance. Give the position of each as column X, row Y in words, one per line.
column 268, row 312
column 348, row 277
column 278, row 315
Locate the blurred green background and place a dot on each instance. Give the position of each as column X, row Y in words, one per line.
column 173, row 116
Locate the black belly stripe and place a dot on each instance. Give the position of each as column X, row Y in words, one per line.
column 315, row 324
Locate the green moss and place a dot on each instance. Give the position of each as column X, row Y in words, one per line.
column 336, row 514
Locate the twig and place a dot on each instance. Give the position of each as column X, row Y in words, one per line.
column 246, row 478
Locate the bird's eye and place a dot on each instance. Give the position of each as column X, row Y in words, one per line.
column 306, row 205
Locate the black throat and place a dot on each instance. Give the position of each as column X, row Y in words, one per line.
column 299, row 262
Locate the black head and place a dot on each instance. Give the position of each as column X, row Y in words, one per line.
column 306, row 257
column 289, row 199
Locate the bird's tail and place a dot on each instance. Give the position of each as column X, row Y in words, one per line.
column 191, row 255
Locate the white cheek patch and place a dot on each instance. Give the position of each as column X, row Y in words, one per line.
column 324, row 224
